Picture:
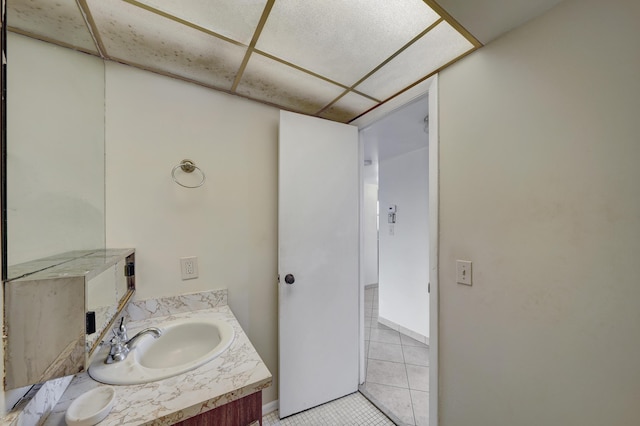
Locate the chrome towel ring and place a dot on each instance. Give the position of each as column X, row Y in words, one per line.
column 188, row 166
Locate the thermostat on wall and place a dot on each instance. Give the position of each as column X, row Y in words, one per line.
column 392, row 208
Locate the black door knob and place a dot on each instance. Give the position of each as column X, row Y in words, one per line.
column 289, row 279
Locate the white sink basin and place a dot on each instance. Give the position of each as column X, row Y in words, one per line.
column 184, row 345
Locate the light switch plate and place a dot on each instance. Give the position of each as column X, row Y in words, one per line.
column 463, row 272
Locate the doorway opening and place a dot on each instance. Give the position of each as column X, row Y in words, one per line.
column 395, row 214
column 425, row 122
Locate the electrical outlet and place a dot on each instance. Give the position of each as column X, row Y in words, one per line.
column 463, row 272
column 189, row 267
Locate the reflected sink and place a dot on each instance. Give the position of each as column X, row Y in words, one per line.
column 184, row 345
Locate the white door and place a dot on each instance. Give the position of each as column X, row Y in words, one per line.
column 318, row 251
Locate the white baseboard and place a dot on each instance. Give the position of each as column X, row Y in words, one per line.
column 270, row 407
column 417, row 336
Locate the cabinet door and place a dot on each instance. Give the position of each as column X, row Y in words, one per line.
column 241, row 412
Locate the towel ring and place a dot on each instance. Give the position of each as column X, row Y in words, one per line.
column 187, row 166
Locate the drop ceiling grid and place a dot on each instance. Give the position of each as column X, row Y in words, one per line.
column 277, row 83
column 50, row 20
column 252, row 89
column 219, row 16
column 133, row 35
column 211, row 44
column 347, row 107
column 433, row 50
column 382, row 64
column 342, row 40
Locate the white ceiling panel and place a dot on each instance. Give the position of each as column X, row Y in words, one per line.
column 348, row 107
column 433, row 50
column 342, row 40
column 135, row 35
column 60, row 20
column 235, row 19
column 271, row 81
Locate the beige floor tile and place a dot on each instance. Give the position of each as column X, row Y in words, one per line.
column 386, row 336
column 416, row 355
column 418, row 377
column 385, row 352
column 420, row 402
column 387, row 373
column 396, row 400
column 408, row 341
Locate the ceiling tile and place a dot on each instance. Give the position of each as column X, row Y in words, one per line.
column 235, row 19
column 342, row 40
column 60, row 20
column 348, row 107
column 271, row 81
column 143, row 38
column 436, row 48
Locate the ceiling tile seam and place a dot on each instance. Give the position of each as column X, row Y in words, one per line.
column 431, row 74
column 382, row 64
column 453, row 22
column 199, row 83
column 256, row 34
column 182, row 21
column 306, row 71
column 167, row 74
column 92, row 27
column 398, row 52
column 50, row 40
column 327, row 106
column 357, row 92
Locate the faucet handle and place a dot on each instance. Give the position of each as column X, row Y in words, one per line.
column 121, row 331
column 118, row 350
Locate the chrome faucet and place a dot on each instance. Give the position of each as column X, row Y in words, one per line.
column 121, row 346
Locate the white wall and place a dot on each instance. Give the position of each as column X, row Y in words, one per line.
column 539, row 187
column 230, row 223
column 370, row 230
column 404, row 256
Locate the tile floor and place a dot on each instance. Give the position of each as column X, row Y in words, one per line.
column 397, row 367
column 351, row 410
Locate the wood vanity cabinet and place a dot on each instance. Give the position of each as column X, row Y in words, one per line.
column 241, row 412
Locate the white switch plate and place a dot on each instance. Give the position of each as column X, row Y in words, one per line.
column 189, row 267
column 463, row 272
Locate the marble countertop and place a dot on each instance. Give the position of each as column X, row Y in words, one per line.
column 238, row 372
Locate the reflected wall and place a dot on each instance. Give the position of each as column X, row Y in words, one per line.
column 55, row 150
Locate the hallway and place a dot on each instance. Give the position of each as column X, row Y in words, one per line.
column 397, row 369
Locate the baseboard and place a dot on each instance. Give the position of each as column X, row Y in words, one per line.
column 270, row 407
column 409, row 333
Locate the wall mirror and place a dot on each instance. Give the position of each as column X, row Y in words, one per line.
column 54, row 152
column 53, row 197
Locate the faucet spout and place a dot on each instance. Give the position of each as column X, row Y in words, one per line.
column 154, row 331
column 120, row 349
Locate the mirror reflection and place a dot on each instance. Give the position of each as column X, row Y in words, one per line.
column 55, row 151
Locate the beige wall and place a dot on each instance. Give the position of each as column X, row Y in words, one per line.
column 540, row 188
column 230, row 223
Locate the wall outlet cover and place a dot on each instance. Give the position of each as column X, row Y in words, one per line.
column 189, row 267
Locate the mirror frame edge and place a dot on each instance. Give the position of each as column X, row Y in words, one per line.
column 3, row 143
